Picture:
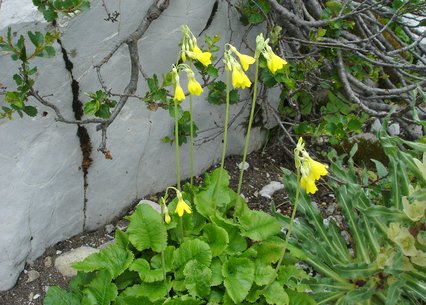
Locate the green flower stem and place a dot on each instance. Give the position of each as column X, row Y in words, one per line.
column 225, row 137
column 191, row 142
column 191, row 138
column 225, row 129
column 177, row 145
column 290, row 227
column 163, row 262
column 253, row 106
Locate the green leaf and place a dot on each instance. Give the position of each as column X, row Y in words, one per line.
column 238, row 276
column 36, row 38
column 216, row 237
column 147, row 230
column 56, row 295
column 114, row 258
column 269, row 251
column 193, row 249
column 263, row 274
column 258, row 225
column 197, row 279
column 153, row 291
column 299, row 298
column 30, row 110
column 214, row 193
column 100, row 291
column 91, row 107
column 216, row 268
column 146, row 274
column 380, row 168
column 275, row 294
column 183, row 300
column 132, row 300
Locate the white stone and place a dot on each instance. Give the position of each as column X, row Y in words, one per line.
column 42, row 189
column 63, row 263
column 153, row 204
column 32, row 275
column 245, row 167
column 268, row 190
column 394, row 129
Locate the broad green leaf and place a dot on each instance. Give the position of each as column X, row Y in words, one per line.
column 258, row 225
column 380, row 168
column 91, row 107
column 288, row 273
column 264, row 274
column 56, row 295
column 193, row 249
column 214, row 193
column 238, row 276
column 269, row 251
column 275, row 294
column 216, row 268
column 147, row 230
column 100, row 291
column 237, row 242
column 216, row 237
column 197, row 279
column 153, row 291
column 300, row 298
column 132, row 301
column 113, row 258
column 146, row 274
column 183, row 300
column 168, row 259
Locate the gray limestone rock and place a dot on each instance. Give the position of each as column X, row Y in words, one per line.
column 64, row 261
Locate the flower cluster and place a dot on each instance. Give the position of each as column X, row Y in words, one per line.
column 273, row 61
column 239, row 78
column 310, row 169
column 194, row 86
column 190, row 48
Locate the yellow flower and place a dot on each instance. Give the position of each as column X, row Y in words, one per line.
column 317, row 169
column 239, row 78
column 310, row 169
column 203, row 57
column 274, row 62
column 167, row 217
column 179, row 94
column 307, row 183
column 194, row 87
column 182, row 206
column 245, row 60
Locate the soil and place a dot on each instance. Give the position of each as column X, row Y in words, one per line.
column 264, row 167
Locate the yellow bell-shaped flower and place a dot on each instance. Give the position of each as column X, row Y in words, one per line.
column 239, row 78
column 317, row 169
column 245, row 60
column 179, row 94
column 167, row 217
column 308, row 184
column 182, row 206
column 194, row 87
column 203, row 57
column 274, row 62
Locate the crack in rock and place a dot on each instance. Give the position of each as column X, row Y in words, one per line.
column 82, row 134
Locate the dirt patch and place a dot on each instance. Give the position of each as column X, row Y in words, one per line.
column 264, row 167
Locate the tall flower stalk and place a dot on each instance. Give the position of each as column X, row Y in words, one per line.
column 190, row 49
column 274, row 64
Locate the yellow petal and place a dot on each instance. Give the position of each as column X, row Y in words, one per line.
column 179, row 94
column 317, row 169
column 245, row 60
column 182, row 207
column 194, row 87
column 275, row 62
column 203, row 57
column 240, row 79
column 308, row 184
column 167, row 218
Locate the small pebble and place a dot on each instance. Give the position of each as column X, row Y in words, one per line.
column 246, row 165
column 109, row 228
column 32, row 276
column 256, row 194
column 36, row 296
column 58, row 252
column 30, row 297
column 48, row 261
